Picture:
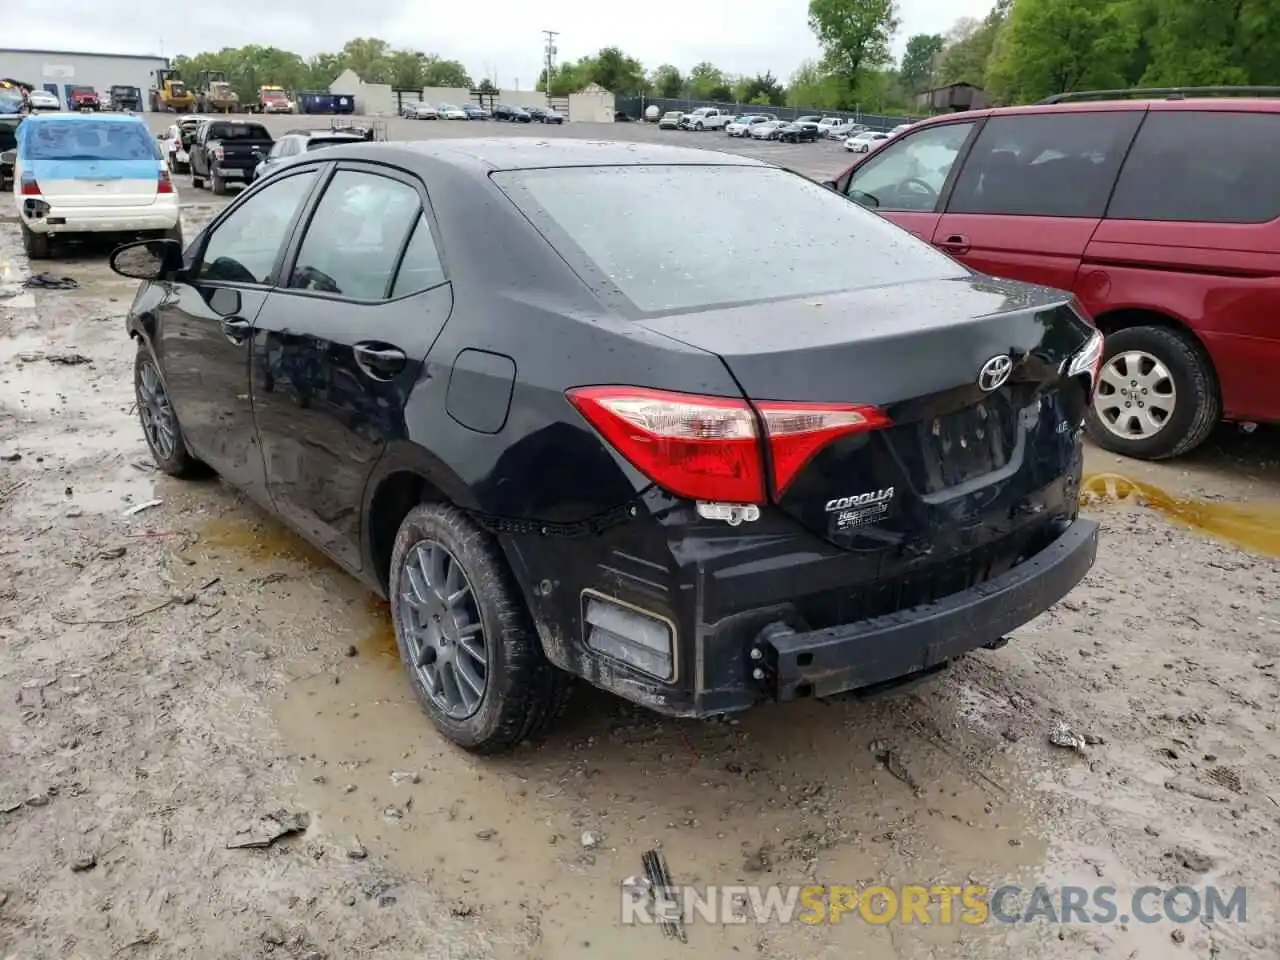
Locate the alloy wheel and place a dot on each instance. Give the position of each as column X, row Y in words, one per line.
column 1135, row 396
column 158, row 422
column 442, row 631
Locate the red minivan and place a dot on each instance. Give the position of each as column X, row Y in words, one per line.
column 1161, row 215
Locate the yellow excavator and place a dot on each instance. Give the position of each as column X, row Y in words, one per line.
column 170, row 94
column 214, row 94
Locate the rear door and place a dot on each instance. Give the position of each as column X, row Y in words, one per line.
column 337, row 349
column 93, row 163
column 904, row 181
column 1033, row 190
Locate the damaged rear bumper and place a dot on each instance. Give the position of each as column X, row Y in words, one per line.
column 822, row 663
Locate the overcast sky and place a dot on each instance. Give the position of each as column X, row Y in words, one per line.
column 501, row 39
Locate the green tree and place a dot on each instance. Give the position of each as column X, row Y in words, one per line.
column 1213, row 42
column 444, row 73
column 704, row 80
column 618, row 73
column 764, row 85
column 968, row 47
column 666, row 81
column 919, row 60
column 1055, row 46
column 404, row 70
column 368, row 57
column 854, row 34
column 323, row 69
column 810, row 86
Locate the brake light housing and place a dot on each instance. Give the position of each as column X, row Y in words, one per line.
column 716, row 449
column 29, row 186
column 164, row 183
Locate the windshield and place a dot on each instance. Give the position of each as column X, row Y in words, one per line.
column 703, row 247
column 272, row 94
column 89, row 140
column 447, row 106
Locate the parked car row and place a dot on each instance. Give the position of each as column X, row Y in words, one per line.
column 856, row 137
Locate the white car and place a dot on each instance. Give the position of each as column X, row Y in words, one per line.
column 110, row 178
column 741, row 127
column 420, row 111
column 835, row 128
column 769, row 130
column 175, row 153
column 447, row 111
column 865, row 142
column 43, row 100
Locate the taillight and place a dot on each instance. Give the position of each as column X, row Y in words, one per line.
column 1088, row 360
column 164, row 184
column 797, row 431
column 29, row 186
column 708, row 448
column 216, row 153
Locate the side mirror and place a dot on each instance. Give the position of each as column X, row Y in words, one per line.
column 147, row 259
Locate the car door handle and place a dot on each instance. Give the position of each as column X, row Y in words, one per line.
column 380, row 361
column 236, row 329
column 956, row 243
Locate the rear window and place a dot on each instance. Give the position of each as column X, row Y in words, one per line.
column 1202, row 166
column 238, row 131
column 685, row 238
column 88, row 140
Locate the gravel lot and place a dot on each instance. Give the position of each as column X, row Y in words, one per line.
column 172, row 677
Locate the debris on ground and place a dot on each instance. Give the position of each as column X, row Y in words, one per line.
column 405, row 776
column 83, row 862
column 591, row 839
column 65, row 359
column 47, row 281
column 270, row 828
column 655, row 869
column 893, row 763
column 1063, row 736
column 357, row 850
column 139, row 507
column 1189, row 857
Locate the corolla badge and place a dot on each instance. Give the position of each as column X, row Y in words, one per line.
column 994, row 373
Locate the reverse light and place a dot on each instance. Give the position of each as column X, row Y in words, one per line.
column 1088, row 361
column 708, row 448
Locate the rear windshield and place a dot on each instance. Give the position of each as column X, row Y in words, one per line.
column 685, row 238
column 88, row 140
column 238, row 131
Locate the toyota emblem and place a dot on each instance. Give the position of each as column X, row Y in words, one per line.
column 994, row 373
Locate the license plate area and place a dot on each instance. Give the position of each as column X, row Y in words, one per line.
column 968, row 443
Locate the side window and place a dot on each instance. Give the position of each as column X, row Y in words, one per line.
column 243, row 248
column 421, row 268
column 1045, row 165
column 909, row 174
column 1202, row 166
column 355, row 237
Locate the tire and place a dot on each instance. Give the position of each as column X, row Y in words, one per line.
column 217, row 185
column 1197, row 406
column 523, row 691
column 698, row 126
column 38, row 246
column 177, row 461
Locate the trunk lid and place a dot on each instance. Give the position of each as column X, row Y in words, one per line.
column 961, row 468
column 97, row 183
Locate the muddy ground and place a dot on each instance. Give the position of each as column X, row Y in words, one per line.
column 169, row 678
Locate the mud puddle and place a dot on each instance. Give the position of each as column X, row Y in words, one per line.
column 543, row 838
column 1251, row 526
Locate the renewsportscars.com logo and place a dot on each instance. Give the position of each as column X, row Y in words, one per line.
column 972, row 905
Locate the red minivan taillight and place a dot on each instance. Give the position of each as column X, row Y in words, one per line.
column 708, row 448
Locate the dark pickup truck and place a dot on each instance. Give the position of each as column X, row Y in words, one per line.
column 125, row 98
column 227, row 150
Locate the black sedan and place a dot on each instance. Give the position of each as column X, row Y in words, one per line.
column 799, row 132
column 566, row 435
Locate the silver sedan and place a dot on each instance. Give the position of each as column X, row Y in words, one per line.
column 419, row 111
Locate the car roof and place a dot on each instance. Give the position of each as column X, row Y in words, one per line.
column 1224, row 104
column 480, row 155
column 39, row 118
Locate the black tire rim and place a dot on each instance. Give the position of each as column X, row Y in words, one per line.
column 441, row 629
column 158, row 422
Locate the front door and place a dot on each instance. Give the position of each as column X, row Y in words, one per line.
column 1033, row 191
column 338, row 347
column 905, row 179
column 204, row 328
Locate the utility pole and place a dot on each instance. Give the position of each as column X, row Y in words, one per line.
column 550, row 58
